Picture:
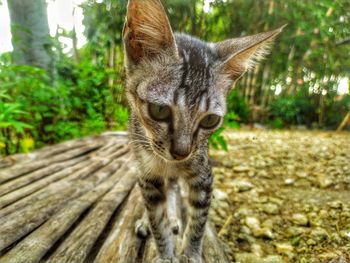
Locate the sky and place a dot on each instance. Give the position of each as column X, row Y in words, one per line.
column 66, row 14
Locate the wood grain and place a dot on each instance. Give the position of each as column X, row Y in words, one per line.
column 78, row 202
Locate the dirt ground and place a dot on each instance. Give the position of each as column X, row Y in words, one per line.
column 284, row 196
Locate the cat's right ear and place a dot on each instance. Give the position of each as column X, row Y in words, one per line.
column 241, row 54
column 147, row 32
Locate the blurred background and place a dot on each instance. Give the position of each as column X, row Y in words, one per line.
column 61, row 65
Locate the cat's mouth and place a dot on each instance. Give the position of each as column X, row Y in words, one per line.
column 166, row 156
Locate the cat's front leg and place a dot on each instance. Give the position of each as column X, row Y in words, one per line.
column 154, row 195
column 172, row 200
column 199, row 199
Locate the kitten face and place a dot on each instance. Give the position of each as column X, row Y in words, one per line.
column 188, row 91
column 177, row 84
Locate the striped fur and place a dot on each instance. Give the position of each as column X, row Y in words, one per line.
column 192, row 78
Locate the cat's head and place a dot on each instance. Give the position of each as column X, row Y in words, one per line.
column 176, row 84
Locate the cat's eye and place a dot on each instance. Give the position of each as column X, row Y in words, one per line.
column 159, row 112
column 210, row 121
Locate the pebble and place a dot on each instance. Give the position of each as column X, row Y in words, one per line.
column 264, row 174
column 246, row 230
column 242, row 185
column 220, row 195
column 311, row 242
column 275, row 200
column 330, row 256
column 271, row 208
column 299, row 219
column 252, row 258
column 256, row 249
column 345, row 214
column 227, row 163
column 284, row 248
column 253, row 223
column 289, row 181
column 302, row 174
column 305, row 223
column 272, row 259
column 345, row 234
column 251, row 174
column 247, row 258
column 315, row 219
column 242, row 212
column 294, row 231
column 324, row 181
column 241, row 169
column 264, row 232
column 336, row 204
column 222, row 212
column 335, row 238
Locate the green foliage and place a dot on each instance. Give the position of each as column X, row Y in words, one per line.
column 217, row 140
column 34, row 111
column 285, row 110
column 292, row 110
column 299, row 110
column 277, row 123
column 237, row 104
column 12, row 124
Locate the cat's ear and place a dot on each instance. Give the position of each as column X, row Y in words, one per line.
column 147, row 31
column 241, row 54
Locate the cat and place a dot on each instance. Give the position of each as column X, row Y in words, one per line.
column 177, row 86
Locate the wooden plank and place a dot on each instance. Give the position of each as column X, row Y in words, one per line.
column 38, row 208
column 32, row 248
column 122, row 244
column 44, row 152
column 78, row 203
column 213, row 248
column 9, row 186
column 78, row 170
column 87, row 232
column 18, row 194
column 26, row 168
column 53, row 189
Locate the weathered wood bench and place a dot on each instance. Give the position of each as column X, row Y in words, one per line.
column 78, row 202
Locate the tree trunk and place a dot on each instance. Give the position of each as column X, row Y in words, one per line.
column 345, row 121
column 253, row 87
column 193, row 18
column 75, row 46
column 30, row 33
column 265, row 87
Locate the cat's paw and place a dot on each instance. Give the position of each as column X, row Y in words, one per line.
column 175, row 225
column 190, row 259
column 165, row 260
column 142, row 228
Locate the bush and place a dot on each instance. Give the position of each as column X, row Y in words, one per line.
column 290, row 110
column 35, row 111
column 237, row 105
column 217, row 140
column 337, row 111
column 12, row 126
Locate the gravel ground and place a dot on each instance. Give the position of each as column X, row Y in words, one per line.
column 284, row 196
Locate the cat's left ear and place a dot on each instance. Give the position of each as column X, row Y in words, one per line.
column 241, row 54
column 147, row 32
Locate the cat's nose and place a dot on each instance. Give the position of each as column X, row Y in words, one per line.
column 180, row 153
column 179, row 156
column 181, row 146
